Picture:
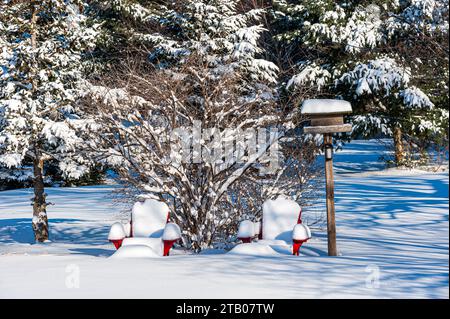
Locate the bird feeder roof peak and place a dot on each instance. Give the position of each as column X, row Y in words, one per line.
column 325, row 107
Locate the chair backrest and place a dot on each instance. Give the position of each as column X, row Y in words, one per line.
column 279, row 218
column 149, row 218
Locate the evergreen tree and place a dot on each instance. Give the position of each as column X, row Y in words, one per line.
column 125, row 25
column 42, row 43
column 389, row 58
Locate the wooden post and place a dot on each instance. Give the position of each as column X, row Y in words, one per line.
column 331, row 221
column 327, row 117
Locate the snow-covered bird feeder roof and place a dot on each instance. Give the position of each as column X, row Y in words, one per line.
column 327, row 116
column 325, row 107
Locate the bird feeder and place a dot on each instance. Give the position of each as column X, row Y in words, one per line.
column 327, row 117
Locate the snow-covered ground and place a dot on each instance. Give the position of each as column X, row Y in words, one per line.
column 392, row 230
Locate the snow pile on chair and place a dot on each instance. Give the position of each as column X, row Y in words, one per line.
column 155, row 244
column 301, row 232
column 246, row 231
column 117, row 234
column 253, row 249
column 281, row 226
column 149, row 218
column 135, row 251
column 148, row 234
column 279, row 218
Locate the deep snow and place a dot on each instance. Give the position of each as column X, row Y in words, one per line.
column 392, row 231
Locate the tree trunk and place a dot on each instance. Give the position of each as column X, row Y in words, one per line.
column 398, row 144
column 40, row 221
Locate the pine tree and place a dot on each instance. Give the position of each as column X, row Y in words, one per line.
column 42, row 43
column 377, row 55
column 125, row 25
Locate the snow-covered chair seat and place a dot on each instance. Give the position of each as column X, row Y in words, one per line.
column 281, row 225
column 156, row 244
column 254, row 249
column 149, row 226
column 135, row 251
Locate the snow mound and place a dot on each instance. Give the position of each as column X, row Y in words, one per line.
column 326, row 106
column 279, row 218
column 116, row 232
column 213, row 251
column 272, row 242
column 149, row 218
column 301, row 232
column 171, row 232
column 253, row 249
column 155, row 244
column 246, row 229
column 135, row 251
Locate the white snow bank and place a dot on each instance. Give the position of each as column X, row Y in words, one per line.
column 171, row 232
column 149, row 218
column 246, row 229
column 272, row 242
column 379, row 215
column 279, row 218
column 326, row 106
column 135, row 251
column 301, row 232
column 253, row 249
column 116, row 232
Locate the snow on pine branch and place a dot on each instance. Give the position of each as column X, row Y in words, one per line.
column 228, row 41
column 355, row 30
column 370, row 123
column 419, row 16
column 386, row 76
column 381, row 75
column 41, row 80
column 310, row 74
column 415, row 98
